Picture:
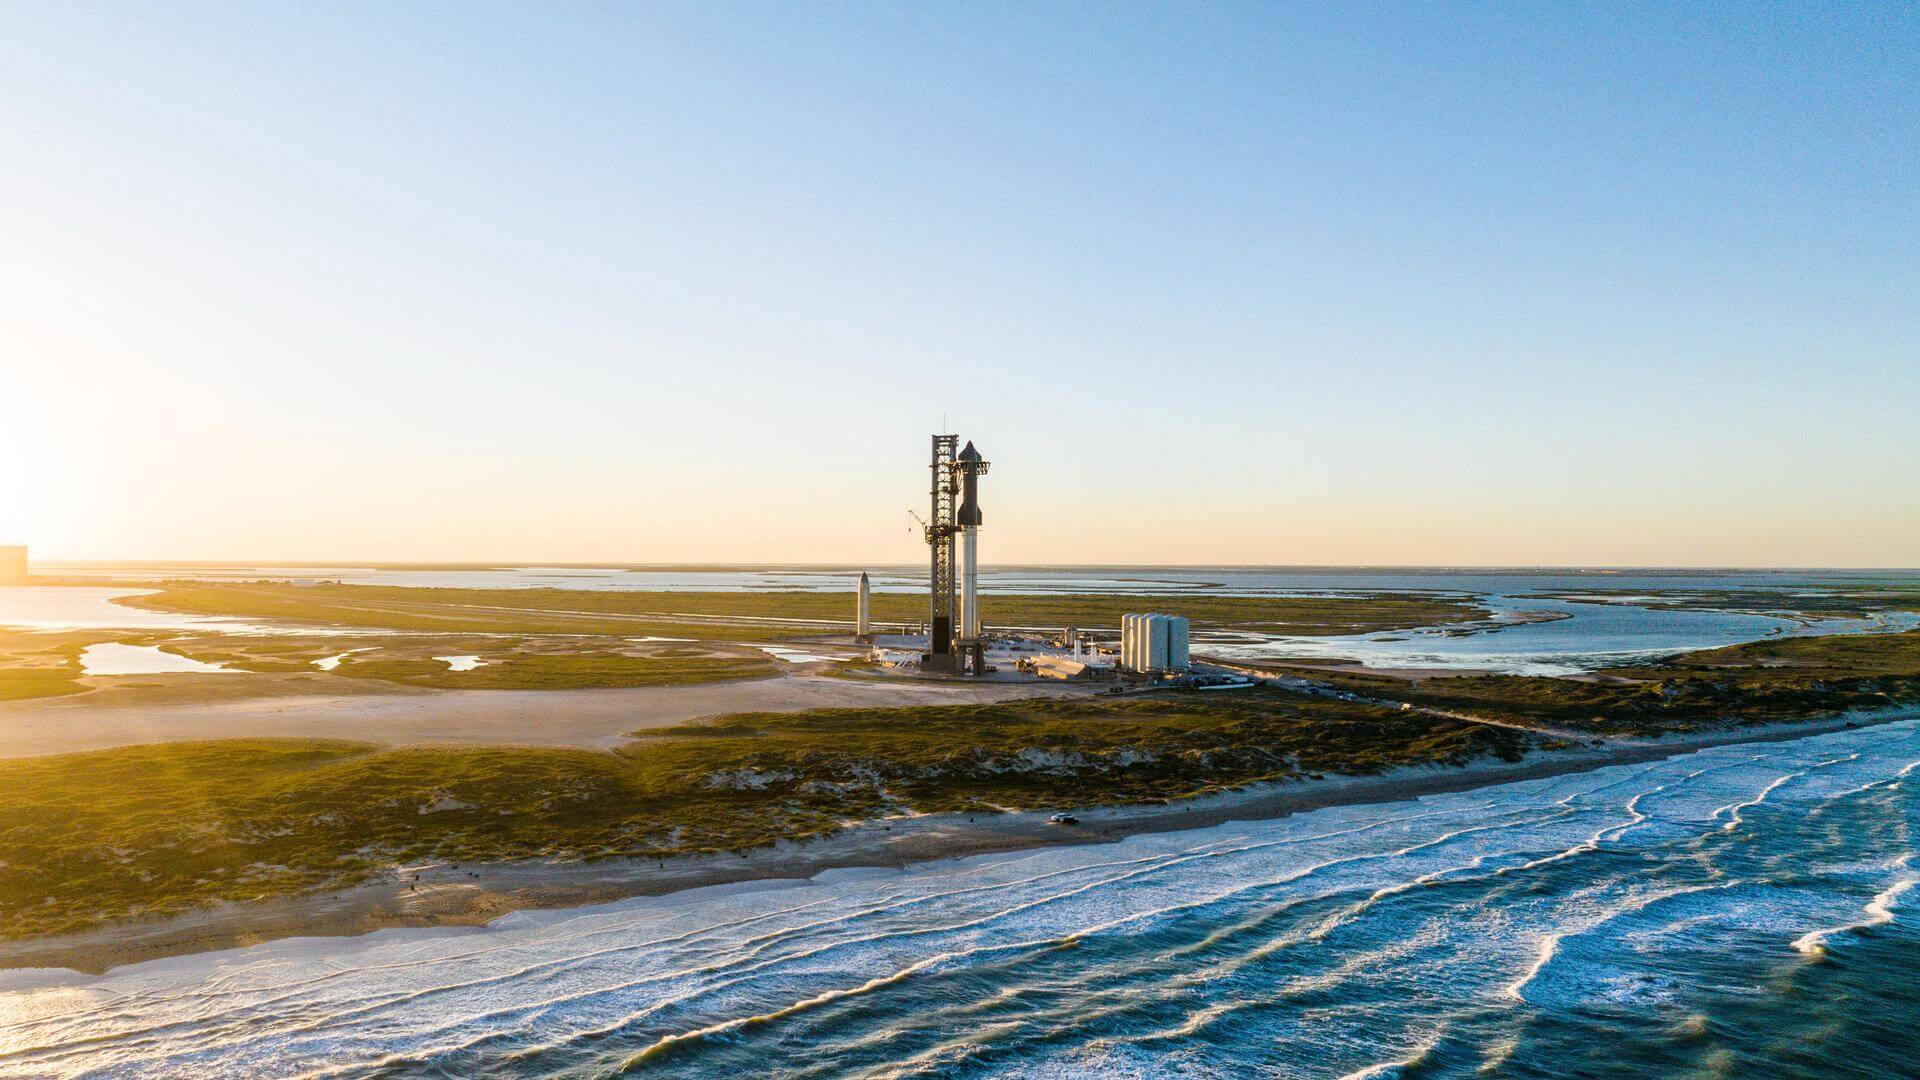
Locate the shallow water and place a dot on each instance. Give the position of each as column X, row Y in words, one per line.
column 38, row 607
column 1590, row 635
column 1743, row 910
column 1584, row 637
column 117, row 659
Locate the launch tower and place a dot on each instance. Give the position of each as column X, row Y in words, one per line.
column 953, row 643
column 940, row 530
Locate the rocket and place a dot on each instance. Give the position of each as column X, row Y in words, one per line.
column 970, row 466
column 863, row 608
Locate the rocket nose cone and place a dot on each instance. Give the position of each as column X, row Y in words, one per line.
column 969, row 454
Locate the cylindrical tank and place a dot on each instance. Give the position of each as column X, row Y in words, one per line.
column 1178, row 658
column 863, row 608
column 1157, row 634
column 970, row 583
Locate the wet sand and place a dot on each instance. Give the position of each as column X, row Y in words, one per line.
column 130, row 710
column 450, row 895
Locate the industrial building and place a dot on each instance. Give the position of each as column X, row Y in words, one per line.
column 13, row 564
column 1154, row 643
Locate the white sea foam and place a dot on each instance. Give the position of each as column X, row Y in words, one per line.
column 1878, row 911
column 1383, row 923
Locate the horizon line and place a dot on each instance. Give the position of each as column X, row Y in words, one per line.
column 737, row 564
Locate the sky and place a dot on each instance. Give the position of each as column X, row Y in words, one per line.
column 1395, row 284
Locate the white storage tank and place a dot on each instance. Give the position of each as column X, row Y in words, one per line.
column 1157, row 634
column 1176, row 656
column 1154, row 643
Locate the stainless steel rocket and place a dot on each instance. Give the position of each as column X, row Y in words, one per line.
column 969, row 465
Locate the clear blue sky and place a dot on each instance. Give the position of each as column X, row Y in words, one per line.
column 1278, row 283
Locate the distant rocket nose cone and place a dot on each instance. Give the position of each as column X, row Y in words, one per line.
column 969, row 454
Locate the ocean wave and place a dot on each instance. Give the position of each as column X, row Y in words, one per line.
column 1507, row 918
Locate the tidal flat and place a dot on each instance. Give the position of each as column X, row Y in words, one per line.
column 601, row 734
column 150, row 832
column 791, row 613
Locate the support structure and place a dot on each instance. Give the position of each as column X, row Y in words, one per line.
column 954, row 640
column 940, row 529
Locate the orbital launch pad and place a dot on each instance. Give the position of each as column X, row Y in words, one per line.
column 954, row 643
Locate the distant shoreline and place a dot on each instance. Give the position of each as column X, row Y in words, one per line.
column 466, row 896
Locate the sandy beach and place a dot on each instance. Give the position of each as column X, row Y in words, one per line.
column 471, row 895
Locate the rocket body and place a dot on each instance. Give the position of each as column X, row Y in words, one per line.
column 970, row 582
column 971, row 465
column 863, row 608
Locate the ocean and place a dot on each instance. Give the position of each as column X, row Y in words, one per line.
column 1739, row 911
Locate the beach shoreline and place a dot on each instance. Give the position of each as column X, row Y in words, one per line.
column 453, row 896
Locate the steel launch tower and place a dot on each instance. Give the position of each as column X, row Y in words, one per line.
column 954, row 643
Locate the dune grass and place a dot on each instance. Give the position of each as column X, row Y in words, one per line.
column 1784, row 679
column 94, row 837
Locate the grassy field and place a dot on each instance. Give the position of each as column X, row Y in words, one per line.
column 722, row 615
column 40, row 665
column 93, row 837
column 571, row 671
column 1763, row 682
column 1840, row 600
column 34, row 664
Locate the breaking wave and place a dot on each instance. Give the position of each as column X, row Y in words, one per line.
column 1715, row 912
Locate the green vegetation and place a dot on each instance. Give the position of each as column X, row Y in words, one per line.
column 571, row 671
column 554, row 662
column 37, row 664
column 443, row 611
column 1822, row 658
column 1042, row 751
column 1841, row 600
column 725, row 615
column 17, row 684
column 1784, row 679
column 154, row 829
column 262, row 654
column 93, row 837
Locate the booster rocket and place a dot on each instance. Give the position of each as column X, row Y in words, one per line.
column 969, row 465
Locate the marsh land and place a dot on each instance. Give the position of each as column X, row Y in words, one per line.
column 594, row 757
